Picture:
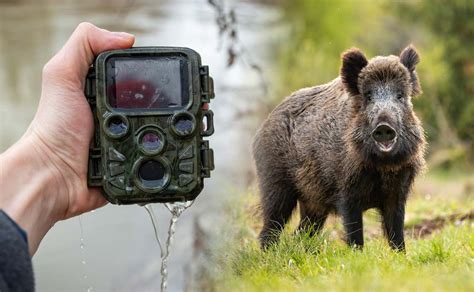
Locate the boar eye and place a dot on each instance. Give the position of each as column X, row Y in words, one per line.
column 368, row 95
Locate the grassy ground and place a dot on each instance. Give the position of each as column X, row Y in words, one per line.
column 439, row 257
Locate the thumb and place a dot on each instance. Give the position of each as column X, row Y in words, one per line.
column 72, row 62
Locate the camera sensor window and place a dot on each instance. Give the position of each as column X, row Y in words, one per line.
column 183, row 124
column 116, row 126
column 151, row 142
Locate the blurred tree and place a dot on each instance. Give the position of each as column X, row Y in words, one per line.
column 320, row 32
column 442, row 31
column 452, row 25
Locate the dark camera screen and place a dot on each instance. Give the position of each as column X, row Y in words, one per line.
column 147, row 82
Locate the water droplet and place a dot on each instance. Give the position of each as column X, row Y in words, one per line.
column 138, row 96
column 176, row 210
column 83, row 255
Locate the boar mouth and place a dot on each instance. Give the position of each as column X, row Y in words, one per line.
column 384, row 137
column 387, row 146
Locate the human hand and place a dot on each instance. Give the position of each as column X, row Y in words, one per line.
column 63, row 124
column 43, row 177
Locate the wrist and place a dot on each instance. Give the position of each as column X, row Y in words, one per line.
column 29, row 186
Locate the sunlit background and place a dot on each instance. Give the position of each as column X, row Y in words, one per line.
column 258, row 52
column 120, row 250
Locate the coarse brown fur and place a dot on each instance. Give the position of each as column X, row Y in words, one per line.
column 317, row 149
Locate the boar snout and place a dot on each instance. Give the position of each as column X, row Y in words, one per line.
column 384, row 136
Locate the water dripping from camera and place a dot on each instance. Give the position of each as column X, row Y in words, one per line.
column 85, row 277
column 176, row 209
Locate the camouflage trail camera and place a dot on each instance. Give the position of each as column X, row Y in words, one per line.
column 149, row 124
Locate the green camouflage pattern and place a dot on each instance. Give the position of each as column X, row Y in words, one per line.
column 113, row 162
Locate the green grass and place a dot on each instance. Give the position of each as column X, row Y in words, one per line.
column 440, row 261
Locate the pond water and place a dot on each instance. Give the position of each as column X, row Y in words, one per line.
column 117, row 243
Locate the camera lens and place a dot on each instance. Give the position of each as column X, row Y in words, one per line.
column 116, row 126
column 151, row 142
column 183, row 124
column 152, row 174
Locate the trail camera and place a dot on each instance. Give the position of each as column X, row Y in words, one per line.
column 150, row 123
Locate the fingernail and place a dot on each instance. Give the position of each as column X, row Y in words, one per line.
column 123, row 35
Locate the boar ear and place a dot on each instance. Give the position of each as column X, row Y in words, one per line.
column 409, row 58
column 353, row 61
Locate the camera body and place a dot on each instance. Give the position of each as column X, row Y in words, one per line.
column 149, row 123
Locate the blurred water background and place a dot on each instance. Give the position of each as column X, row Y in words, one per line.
column 119, row 245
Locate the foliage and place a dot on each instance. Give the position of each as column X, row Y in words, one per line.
column 443, row 260
column 452, row 26
column 321, row 30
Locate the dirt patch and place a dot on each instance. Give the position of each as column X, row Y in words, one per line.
column 428, row 226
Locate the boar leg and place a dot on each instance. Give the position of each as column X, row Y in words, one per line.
column 352, row 220
column 393, row 222
column 277, row 204
column 393, row 209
